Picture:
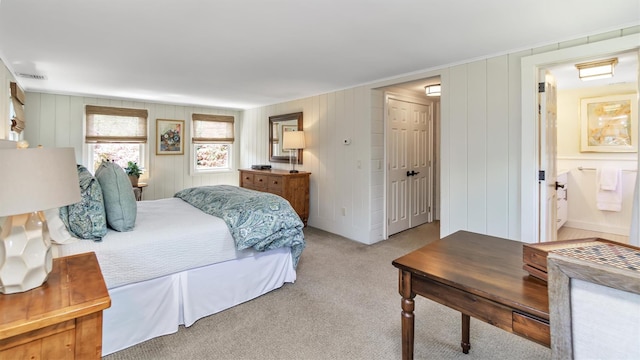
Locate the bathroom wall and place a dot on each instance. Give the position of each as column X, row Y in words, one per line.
column 583, row 213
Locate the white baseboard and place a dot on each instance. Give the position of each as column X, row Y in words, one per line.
column 604, row 228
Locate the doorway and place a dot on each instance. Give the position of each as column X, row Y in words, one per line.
column 530, row 229
column 578, row 214
column 411, row 155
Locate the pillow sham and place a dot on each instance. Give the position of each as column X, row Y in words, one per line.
column 86, row 219
column 119, row 200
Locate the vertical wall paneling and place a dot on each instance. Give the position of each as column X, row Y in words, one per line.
column 377, row 197
column 497, row 216
column 477, row 139
column 62, row 128
column 47, row 136
column 360, row 112
column 457, row 144
column 32, row 112
column 514, row 142
column 445, row 153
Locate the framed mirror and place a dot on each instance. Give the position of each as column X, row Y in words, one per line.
column 278, row 125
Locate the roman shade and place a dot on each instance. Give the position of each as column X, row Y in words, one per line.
column 212, row 128
column 115, row 125
column 18, row 100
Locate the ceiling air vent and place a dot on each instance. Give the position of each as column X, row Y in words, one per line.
column 32, row 76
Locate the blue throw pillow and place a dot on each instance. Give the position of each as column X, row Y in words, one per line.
column 119, row 200
column 86, row 219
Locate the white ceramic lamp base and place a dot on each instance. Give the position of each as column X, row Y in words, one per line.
column 25, row 252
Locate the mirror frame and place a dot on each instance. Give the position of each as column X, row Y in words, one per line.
column 279, row 118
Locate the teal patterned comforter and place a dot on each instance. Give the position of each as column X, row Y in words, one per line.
column 256, row 219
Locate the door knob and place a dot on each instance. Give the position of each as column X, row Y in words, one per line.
column 559, row 186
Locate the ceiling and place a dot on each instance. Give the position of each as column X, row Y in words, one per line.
column 250, row 53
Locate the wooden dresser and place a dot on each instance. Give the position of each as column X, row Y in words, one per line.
column 62, row 319
column 294, row 187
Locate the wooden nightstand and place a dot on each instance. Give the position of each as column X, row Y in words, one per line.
column 62, row 319
column 137, row 190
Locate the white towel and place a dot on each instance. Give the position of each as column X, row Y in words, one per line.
column 609, row 189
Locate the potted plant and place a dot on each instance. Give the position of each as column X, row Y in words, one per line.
column 134, row 172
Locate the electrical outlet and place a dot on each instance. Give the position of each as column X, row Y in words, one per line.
column 344, row 211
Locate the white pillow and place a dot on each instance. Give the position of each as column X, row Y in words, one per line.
column 57, row 231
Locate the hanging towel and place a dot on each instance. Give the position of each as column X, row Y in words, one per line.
column 609, row 189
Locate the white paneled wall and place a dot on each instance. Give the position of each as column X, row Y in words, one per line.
column 340, row 187
column 58, row 120
column 481, row 146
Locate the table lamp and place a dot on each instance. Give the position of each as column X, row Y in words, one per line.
column 293, row 141
column 32, row 180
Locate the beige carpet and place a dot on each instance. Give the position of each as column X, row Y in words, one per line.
column 344, row 305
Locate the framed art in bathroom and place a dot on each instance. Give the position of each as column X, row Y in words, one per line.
column 609, row 123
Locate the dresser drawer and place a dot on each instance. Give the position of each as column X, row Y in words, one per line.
column 246, row 180
column 260, row 181
column 293, row 187
column 274, row 185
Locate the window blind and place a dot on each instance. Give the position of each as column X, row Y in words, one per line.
column 17, row 99
column 115, row 125
column 212, row 128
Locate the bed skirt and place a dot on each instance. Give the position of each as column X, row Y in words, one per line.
column 145, row 310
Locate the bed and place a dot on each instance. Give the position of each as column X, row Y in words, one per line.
column 181, row 263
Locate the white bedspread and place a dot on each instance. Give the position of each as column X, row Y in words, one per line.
column 170, row 236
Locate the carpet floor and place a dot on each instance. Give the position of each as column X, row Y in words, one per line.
column 343, row 305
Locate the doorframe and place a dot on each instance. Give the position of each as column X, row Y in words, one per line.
column 406, row 98
column 529, row 194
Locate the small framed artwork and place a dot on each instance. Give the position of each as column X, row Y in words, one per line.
column 609, row 124
column 169, row 137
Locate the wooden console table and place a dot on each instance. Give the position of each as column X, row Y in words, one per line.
column 294, row 187
column 62, row 319
column 480, row 276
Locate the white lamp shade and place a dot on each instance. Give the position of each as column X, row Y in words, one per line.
column 37, row 179
column 293, row 140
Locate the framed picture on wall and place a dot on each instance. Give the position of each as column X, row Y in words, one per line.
column 169, row 137
column 609, row 123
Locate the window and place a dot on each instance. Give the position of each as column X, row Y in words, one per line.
column 116, row 134
column 16, row 111
column 212, row 142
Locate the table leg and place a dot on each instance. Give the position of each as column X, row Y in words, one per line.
column 466, row 322
column 407, row 315
column 407, row 328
